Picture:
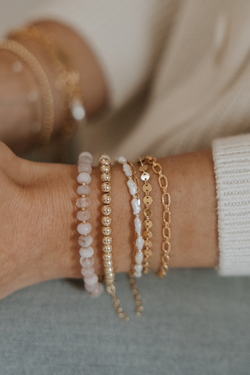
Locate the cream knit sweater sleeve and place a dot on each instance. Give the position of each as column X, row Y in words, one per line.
column 232, row 169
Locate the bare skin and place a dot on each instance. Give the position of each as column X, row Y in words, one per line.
column 38, row 218
column 37, row 200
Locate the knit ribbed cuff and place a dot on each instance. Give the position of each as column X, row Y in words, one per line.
column 232, row 170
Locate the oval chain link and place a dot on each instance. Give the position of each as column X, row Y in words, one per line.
column 166, row 215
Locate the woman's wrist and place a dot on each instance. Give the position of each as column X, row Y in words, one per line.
column 39, row 240
column 193, row 208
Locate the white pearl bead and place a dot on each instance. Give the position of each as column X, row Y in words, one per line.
column 139, row 243
column 139, row 258
column 122, row 160
column 78, row 111
column 138, row 267
column 136, row 206
column 85, row 241
column 137, row 274
column 132, row 187
column 86, row 252
column 138, row 225
column 127, row 170
column 84, row 177
column 84, row 228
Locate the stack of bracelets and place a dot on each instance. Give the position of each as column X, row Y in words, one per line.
column 66, row 80
column 143, row 241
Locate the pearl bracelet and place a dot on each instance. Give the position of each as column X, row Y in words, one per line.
column 136, row 205
column 85, row 240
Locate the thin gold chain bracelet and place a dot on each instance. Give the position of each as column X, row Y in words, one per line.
column 166, row 215
column 147, row 212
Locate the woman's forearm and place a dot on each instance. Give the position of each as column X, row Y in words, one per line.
column 17, row 113
column 39, row 240
column 193, row 208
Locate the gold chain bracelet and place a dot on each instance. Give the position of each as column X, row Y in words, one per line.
column 166, row 215
column 147, row 212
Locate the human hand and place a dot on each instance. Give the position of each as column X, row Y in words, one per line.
column 36, row 222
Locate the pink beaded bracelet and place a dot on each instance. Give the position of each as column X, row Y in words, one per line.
column 92, row 285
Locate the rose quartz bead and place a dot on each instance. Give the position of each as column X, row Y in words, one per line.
column 84, row 228
column 85, row 159
column 85, row 153
column 86, row 252
column 85, row 241
column 91, row 280
column 84, row 190
column 86, row 272
column 83, row 202
column 84, row 177
column 87, row 262
column 98, row 291
column 83, row 215
column 84, row 167
column 91, row 288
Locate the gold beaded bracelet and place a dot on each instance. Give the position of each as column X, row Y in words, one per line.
column 166, row 215
column 105, row 167
column 147, row 212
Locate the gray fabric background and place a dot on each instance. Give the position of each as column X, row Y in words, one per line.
column 194, row 323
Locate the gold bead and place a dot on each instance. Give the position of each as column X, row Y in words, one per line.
column 105, row 168
column 147, row 212
column 106, row 187
column 106, row 231
column 108, row 263
column 147, row 234
column 107, row 256
column 105, row 161
column 147, row 200
column 106, row 210
column 106, row 198
column 147, row 223
column 107, row 249
column 106, row 177
column 107, row 240
column 106, row 220
column 110, row 275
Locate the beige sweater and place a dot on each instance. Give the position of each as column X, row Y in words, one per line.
column 191, row 58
